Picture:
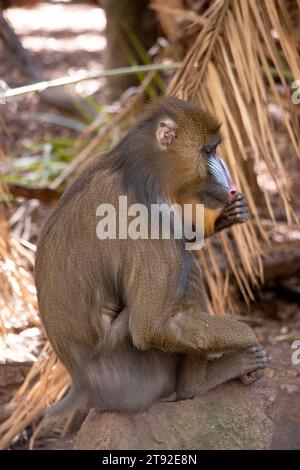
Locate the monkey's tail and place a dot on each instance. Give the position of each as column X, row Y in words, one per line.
column 72, row 400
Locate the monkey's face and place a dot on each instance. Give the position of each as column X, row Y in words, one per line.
column 194, row 169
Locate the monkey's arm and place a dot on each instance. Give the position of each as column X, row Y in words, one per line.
column 235, row 213
column 188, row 329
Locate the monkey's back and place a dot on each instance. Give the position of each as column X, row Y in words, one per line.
column 76, row 272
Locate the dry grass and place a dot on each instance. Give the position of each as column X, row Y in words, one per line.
column 46, row 382
column 16, row 283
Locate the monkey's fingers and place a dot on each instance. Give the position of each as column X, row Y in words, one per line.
column 236, row 205
column 231, row 217
column 238, row 215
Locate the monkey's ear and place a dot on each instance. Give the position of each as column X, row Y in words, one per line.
column 166, row 132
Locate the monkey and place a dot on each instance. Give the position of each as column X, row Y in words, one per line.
column 129, row 318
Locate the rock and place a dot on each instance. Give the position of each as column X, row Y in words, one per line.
column 286, row 434
column 285, row 378
column 232, row 416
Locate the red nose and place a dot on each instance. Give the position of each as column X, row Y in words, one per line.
column 232, row 193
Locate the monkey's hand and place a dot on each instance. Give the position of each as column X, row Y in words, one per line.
column 237, row 212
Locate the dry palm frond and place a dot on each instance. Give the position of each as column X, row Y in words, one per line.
column 171, row 14
column 47, row 380
column 228, row 71
column 18, row 306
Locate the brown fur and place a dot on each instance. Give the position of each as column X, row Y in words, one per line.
column 210, row 217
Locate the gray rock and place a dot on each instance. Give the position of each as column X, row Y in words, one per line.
column 232, row 416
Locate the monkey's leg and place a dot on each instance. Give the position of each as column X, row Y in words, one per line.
column 198, row 375
column 235, row 213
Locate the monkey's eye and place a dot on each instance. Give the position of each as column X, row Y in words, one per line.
column 209, row 150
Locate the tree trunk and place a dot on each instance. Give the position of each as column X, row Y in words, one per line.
column 128, row 22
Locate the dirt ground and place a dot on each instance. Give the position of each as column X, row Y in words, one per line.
column 279, row 328
column 67, row 38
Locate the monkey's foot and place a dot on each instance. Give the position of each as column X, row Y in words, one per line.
column 253, row 361
column 235, row 213
column 209, row 374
